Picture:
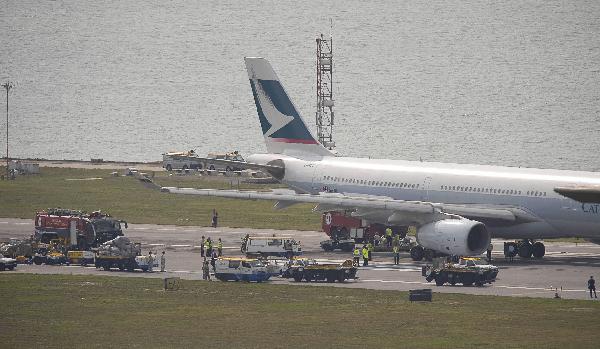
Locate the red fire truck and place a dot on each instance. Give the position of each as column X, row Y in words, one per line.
column 76, row 228
column 344, row 230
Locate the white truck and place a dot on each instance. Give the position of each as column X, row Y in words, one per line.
column 241, row 269
column 7, row 263
column 182, row 161
column 264, row 246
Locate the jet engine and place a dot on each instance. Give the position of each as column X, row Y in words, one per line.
column 462, row 237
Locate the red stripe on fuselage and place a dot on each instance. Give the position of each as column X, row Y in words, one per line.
column 291, row 140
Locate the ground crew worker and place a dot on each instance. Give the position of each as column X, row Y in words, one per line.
column 365, row 254
column 202, row 242
column 396, row 250
column 489, row 252
column 220, row 247
column 356, row 254
column 215, row 217
column 370, row 248
column 388, row 236
column 213, row 258
column 205, row 270
column 150, row 261
column 208, row 247
column 163, row 262
column 592, row 287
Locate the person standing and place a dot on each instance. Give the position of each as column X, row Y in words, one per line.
column 202, row 246
column 150, row 261
column 163, row 262
column 213, row 258
column 388, row 236
column 208, row 247
column 220, row 247
column 365, row 254
column 370, row 248
column 205, row 270
column 592, row 287
column 489, row 253
column 356, row 255
column 215, row 218
column 396, row 250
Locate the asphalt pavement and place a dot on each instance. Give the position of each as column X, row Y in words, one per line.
column 565, row 268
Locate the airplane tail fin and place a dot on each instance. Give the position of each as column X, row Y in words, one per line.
column 283, row 128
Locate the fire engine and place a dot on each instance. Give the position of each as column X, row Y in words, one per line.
column 76, row 228
column 345, row 230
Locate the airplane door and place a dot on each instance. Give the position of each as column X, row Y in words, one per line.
column 426, row 188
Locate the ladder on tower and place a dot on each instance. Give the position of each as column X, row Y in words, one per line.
column 324, row 114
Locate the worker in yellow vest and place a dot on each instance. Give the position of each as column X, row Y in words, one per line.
column 356, row 254
column 388, row 236
column 365, row 254
column 396, row 250
column 370, row 249
column 220, row 248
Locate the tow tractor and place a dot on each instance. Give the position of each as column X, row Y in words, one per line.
column 468, row 271
column 241, row 269
column 311, row 270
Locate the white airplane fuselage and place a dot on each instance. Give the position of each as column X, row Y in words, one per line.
column 530, row 190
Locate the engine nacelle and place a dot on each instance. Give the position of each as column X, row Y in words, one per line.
column 461, row 237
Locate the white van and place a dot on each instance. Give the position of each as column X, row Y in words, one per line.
column 271, row 246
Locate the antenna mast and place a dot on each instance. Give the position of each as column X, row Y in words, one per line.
column 324, row 114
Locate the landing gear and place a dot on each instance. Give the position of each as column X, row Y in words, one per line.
column 525, row 249
column 417, row 253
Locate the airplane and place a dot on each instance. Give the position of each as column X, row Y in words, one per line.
column 457, row 208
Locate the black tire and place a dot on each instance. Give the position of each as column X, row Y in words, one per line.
column 327, row 248
column 539, row 250
column 297, row 277
column 439, row 280
column 169, row 167
column 417, row 253
column 121, row 267
column 38, row 260
column 212, row 169
column 308, row 276
column 525, row 249
column 12, row 267
column 228, row 170
column 429, row 254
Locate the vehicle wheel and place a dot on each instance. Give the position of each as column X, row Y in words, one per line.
column 11, row 267
column 539, row 250
column 121, row 267
column 37, row 260
column 212, row 169
column 416, row 253
column 297, row 277
column 439, row 281
column 327, row 248
column 228, row 170
column 429, row 254
column 308, row 276
column 525, row 249
column 169, row 168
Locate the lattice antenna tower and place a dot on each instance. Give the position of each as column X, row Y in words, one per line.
column 324, row 114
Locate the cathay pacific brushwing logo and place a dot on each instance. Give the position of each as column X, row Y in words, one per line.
column 277, row 119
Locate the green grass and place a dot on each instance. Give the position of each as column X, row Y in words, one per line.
column 92, row 311
column 125, row 198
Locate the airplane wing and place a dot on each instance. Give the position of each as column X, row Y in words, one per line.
column 584, row 194
column 397, row 211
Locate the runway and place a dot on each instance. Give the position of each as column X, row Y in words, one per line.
column 566, row 266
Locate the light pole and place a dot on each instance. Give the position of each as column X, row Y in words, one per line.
column 7, row 85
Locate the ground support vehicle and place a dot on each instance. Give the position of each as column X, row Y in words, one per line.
column 311, row 270
column 80, row 257
column 121, row 253
column 241, row 269
column 468, row 271
column 17, row 248
column 182, row 160
column 7, row 263
column 342, row 227
column 346, row 245
column 55, row 258
column 264, row 246
column 76, row 228
column 51, row 253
